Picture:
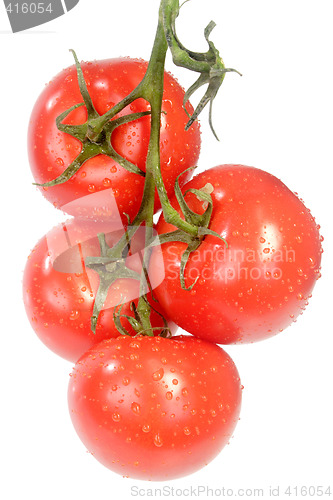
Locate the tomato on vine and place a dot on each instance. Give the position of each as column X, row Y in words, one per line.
column 60, row 290
column 255, row 283
column 154, row 408
column 111, row 179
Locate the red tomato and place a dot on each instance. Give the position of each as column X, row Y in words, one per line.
column 59, row 290
column 51, row 151
column 259, row 284
column 154, row 408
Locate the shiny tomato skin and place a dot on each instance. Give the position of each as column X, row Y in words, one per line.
column 154, row 408
column 257, row 286
column 59, row 290
column 108, row 81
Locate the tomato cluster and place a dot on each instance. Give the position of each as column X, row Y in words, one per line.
column 235, row 262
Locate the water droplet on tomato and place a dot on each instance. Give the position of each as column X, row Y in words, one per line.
column 116, row 417
column 187, row 431
column 106, row 182
column 262, row 240
column 312, row 262
column 135, row 407
column 158, row 374
column 74, row 315
column 146, row 428
column 158, row 440
column 169, row 395
column 91, row 188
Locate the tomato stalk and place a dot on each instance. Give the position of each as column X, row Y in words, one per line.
column 152, row 90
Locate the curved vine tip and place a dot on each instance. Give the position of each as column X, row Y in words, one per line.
column 209, row 64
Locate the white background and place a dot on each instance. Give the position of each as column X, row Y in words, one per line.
column 277, row 117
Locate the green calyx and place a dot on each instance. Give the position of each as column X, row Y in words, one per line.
column 93, row 143
column 109, row 268
column 200, row 221
column 110, row 265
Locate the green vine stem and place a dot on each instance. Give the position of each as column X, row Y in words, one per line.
column 152, row 91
